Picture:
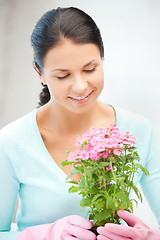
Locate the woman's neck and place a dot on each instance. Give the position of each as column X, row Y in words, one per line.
column 62, row 121
column 65, row 123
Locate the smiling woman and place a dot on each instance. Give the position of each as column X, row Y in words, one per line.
column 56, row 26
column 68, row 57
column 73, row 73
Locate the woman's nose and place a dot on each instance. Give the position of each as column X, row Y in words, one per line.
column 79, row 85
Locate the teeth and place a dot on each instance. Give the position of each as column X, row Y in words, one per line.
column 80, row 98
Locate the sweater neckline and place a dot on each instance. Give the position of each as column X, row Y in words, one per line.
column 43, row 147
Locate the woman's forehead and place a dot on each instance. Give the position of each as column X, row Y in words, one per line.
column 69, row 53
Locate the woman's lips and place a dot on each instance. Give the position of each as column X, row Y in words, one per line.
column 83, row 99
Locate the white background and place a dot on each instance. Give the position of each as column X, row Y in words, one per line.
column 131, row 35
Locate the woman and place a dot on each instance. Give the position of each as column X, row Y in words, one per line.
column 68, row 57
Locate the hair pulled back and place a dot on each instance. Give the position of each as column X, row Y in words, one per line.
column 71, row 23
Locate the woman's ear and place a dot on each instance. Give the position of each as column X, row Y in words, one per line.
column 39, row 74
column 37, row 70
column 43, row 82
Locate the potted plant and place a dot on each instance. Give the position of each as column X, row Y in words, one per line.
column 107, row 161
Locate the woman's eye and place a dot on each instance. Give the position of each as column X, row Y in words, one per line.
column 63, row 77
column 90, row 70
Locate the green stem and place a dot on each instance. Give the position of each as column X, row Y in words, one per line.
column 104, row 181
column 132, row 176
column 106, row 204
column 114, row 177
column 85, row 177
column 125, row 158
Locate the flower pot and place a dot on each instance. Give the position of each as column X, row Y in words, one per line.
column 94, row 230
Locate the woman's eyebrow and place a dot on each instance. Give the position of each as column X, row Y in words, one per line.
column 89, row 63
column 66, row 70
column 59, row 69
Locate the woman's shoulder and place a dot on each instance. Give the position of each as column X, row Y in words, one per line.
column 18, row 128
column 133, row 122
column 128, row 117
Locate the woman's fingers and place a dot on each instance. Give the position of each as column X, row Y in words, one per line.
column 70, row 238
column 101, row 237
column 115, row 235
column 77, row 220
column 81, row 233
column 129, row 218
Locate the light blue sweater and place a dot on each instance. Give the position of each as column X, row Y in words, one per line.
column 27, row 169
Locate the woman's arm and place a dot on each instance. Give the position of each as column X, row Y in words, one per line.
column 9, row 187
column 71, row 228
column 136, row 229
column 151, row 184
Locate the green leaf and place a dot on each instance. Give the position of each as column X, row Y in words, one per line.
column 86, row 202
column 102, row 215
column 93, row 190
column 99, row 204
column 74, row 189
column 75, row 170
column 98, row 195
column 82, row 183
column 143, row 169
column 68, row 151
column 66, row 162
column 72, row 181
column 124, row 205
column 112, row 159
column 110, row 202
column 91, row 216
column 69, row 177
column 137, row 192
column 88, row 173
column 122, row 196
column 131, row 206
column 103, row 164
column 134, row 200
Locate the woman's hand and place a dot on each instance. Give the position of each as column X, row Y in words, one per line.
column 136, row 229
column 73, row 227
column 68, row 228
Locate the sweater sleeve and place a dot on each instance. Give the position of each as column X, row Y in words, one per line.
column 9, row 187
column 150, row 184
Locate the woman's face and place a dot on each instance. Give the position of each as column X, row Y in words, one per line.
column 74, row 75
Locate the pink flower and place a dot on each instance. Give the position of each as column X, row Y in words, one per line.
column 116, row 152
column 102, row 142
column 127, row 132
column 72, row 156
column 84, row 155
column 94, row 155
column 108, row 168
column 101, row 187
column 105, row 155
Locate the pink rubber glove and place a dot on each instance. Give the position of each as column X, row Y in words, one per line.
column 68, row 228
column 136, row 229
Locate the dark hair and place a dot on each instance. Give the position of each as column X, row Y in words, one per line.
column 71, row 23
